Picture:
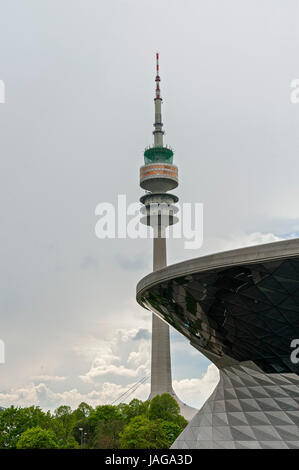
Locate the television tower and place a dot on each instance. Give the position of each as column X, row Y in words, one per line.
column 158, row 175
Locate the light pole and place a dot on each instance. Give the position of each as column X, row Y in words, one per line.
column 81, row 431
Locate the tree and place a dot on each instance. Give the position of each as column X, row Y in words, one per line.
column 137, row 425
column 138, row 407
column 164, row 407
column 69, row 443
column 172, row 431
column 81, row 427
column 107, row 434
column 15, row 420
column 63, row 413
column 103, row 414
column 62, row 424
column 141, row 433
column 181, row 421
column 104, row 419
column 134, row 408
column 82, row 412
column 37, row 438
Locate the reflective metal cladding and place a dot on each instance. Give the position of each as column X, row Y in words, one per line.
column 241, row 309
column 238, row 312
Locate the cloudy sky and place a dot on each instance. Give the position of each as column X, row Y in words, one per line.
column 79, row 78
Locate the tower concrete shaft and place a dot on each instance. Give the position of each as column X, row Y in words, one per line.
column 161, row 380
column 161, row 377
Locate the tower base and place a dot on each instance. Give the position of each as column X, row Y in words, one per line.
column 247, row 410
column 161, row 381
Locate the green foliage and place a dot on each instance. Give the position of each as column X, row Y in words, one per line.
column 62, row 424
column 164, row 407
column 137, row 425
column 172, row 431
column 153, row 425
column 63, row 413
column 82, row 412
column 141, row 433
column 15, row 420
column 181, row 421
column 134, row 408
column 103, row 414
column 81, row 421
column 69, row 443
column 107, row 434
column 37, row 438
column 105, row 423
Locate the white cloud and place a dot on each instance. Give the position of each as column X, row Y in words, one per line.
column 41, row 395
column 49, row 378
column 122, row 355
column 117, row 364
column 99, row 370
column 121, row 358
column 195, row 391
column 140, row 357
column 241, row 240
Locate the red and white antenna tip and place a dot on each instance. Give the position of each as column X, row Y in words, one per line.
column 157, row 76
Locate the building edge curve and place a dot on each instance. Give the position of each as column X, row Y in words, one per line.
column 256, row 402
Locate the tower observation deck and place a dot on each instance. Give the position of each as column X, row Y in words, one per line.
column 158, row 175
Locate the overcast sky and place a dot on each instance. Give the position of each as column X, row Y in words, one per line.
column 79, row 78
